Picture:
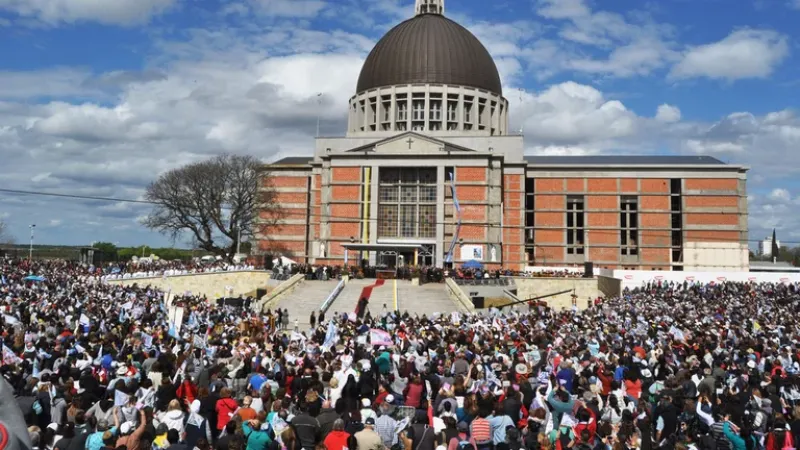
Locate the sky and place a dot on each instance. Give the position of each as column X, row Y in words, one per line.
column 98, row 97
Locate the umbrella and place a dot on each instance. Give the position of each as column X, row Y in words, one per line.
column 34, row 278
column 472, row 264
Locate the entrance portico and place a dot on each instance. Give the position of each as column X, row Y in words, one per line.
column 390, row 256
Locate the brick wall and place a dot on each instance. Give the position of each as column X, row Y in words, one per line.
column 705, row 203
column 289, row 235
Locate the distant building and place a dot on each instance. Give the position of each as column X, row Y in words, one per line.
column 429, row 173
column 765, row 246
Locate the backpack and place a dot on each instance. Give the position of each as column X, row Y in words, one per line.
column 464, row 445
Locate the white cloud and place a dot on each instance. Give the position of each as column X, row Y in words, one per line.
column 745, row 53
column 55, row 223
column 109, row 12
column 570, row 113
column 289, row 8
column 600, row 42
column 780, row 194
column 668, row 113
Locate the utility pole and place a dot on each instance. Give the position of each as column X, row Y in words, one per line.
column 30, row 250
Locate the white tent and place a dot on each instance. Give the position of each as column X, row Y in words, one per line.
column 283, row 261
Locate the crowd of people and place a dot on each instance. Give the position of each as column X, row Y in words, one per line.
column 157, row 268
column 681, row 366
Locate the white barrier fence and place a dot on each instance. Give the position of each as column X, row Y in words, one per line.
column 636, row 278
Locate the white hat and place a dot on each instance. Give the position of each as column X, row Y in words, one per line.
column 121, row 371
column 389, row 398
column 365, row 402
column 126, row 427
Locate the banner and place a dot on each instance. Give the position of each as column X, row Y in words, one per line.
column 9, row 357
column 380, row 337
column 120, row 398
column 472, row 252
column 147, row 340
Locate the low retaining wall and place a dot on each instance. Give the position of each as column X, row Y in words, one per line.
column 609, row 286
column 272, row 299
column 586, row 289
column 458, row 296
column 212, row 284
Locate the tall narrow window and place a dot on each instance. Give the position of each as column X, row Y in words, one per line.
column 629, row 225
column 436, row 110
column 575, row 225
column 402, row 111
column 419, row 110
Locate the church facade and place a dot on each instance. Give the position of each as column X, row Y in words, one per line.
column 428, row 173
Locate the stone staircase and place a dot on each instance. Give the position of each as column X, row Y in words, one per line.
column 348, row 298
column 306, row 297
column 426, row 299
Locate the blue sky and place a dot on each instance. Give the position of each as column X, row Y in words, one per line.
column 97, row 97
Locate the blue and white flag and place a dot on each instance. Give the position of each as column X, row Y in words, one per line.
column 331, row 336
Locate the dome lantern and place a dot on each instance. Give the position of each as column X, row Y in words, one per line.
column 429, row 7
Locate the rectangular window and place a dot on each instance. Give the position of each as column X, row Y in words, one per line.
column 452, row 108
column 407, row 203
column 387, row 107
column 436, row 110
column 427, row 221
column 408, row 220
column 419, row 110
column 402, row 112
column 575, row 230
column 387, row 221
column 629, row 224
column 467, row 112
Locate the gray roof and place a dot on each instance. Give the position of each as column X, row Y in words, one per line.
column 293, row 160
column 623, row 160
column 429, row 49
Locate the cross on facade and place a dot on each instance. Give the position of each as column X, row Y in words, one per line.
column 409, row 142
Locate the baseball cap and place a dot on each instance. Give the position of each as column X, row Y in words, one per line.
column 369, row 421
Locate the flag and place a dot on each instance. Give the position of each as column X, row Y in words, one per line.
column 121, row 315
column 330, row 336
column 120, row 398
column 9, row 357
column 380, row 338
column 84, row 320
column 199, row 341
column 147, row 340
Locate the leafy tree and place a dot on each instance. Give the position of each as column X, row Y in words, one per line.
column 5, row 235
column 215, row 202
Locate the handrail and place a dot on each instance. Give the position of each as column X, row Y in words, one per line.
column 458, row 296
column 332, row 296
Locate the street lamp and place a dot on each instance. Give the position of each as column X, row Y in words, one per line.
column 30, row 250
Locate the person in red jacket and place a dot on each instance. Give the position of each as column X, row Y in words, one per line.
column 226, row 408
column 337, row 439
column 187, row 391
column 586, row 421
column 780, row 438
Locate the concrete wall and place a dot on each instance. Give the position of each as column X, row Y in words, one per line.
column 609, row 286
column 212, row 285
column 585, row 288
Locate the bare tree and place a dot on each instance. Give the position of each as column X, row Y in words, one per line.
column 216, row 201
column 5, row 235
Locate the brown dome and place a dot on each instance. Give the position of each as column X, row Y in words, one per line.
column 430, row 49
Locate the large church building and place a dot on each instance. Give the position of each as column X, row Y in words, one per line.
column 428, row 173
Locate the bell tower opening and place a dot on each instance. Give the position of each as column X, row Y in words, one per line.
column 429, row 7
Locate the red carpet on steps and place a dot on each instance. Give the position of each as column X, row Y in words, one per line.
column 367, row 291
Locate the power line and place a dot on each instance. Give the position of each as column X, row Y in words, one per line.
column 321, row 217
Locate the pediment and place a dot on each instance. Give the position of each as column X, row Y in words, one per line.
column 410, row 144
